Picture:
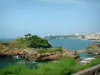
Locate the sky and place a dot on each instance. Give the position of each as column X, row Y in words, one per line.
column 43, row 17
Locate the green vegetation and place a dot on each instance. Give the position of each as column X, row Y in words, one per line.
column 52, row 50
column 38, row 42
column 93, row 63
column 62, row 67
column 31, row 41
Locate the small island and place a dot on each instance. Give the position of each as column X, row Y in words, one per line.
column 34, row 48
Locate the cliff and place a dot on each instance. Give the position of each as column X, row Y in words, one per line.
column 94, row 49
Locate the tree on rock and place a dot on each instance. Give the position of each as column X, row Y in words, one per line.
column 38, row 42
column 32, row 41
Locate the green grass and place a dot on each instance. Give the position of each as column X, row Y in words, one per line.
column 50, row 50
column 62, row 67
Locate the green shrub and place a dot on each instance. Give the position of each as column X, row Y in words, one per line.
column 50, row 50
column 92, row 63
column 31, row 41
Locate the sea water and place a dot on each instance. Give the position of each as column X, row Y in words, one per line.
column 72, row 44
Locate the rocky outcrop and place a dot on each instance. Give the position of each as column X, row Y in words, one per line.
column 5, row 51
column 71, row 54
column 34, row 55
column 94, row 49
column 50, row 56
column 12, row 52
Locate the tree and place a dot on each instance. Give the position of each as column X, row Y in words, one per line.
column 38, row 42
column 29, row 40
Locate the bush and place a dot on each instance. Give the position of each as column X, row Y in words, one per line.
column 50, row 50
column 32, row 41
column 92, row 63
column 62, row 67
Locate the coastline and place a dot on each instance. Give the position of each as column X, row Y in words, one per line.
column 92, row 40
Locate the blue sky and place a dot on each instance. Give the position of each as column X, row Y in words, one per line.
column 42, row 17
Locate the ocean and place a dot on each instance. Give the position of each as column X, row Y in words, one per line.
column 6, row 40
column 71, row 44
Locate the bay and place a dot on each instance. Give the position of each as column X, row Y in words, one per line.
column 71, row 44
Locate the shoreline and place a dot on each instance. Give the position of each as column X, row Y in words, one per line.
column 93, row 40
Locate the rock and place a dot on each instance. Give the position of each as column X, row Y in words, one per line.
column 94, row 49
column 57, row 56
column 49, row 56
column 12, row 53
column 3, row 47
column 30, row 57
column 71, row 54
column 33, row 55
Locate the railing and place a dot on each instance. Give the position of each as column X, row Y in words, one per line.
column 95, row 70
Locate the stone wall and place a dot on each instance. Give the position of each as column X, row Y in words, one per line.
column 95, row 70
